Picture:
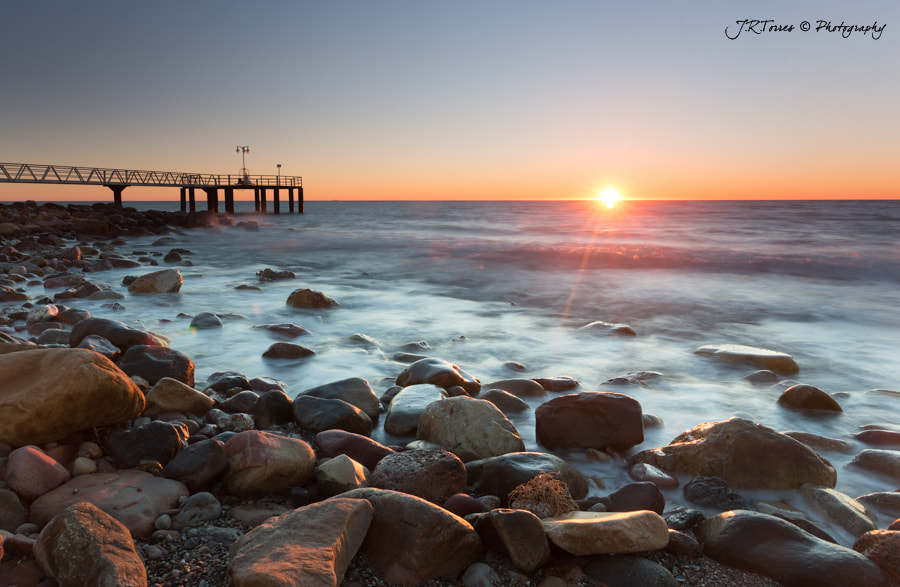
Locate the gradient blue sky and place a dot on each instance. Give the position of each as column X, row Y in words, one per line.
column 459, row 100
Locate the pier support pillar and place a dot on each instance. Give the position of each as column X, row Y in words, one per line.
column 276, row 203
column 212, row 199
column 192, row 202
column 291, row 200
column 300, row 200
column 183, row 199
column 262, row 200
column 256, row 199
column 229, row 200
column 117, row 192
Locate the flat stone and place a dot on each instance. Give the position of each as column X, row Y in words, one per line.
column 780, row 363
column 590, row 533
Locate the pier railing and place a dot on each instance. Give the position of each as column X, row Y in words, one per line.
column 119, row 179
column 33, row 173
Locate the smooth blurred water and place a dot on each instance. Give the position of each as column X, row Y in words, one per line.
column 484, row 283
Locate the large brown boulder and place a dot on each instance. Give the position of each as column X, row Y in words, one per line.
column 778, row 549
column 469, row 428
column 48, row 394
column 82, row 545
column 432, row 474
column 590, row 419
column 411, row 540
column 744, row 454
column 308, row 546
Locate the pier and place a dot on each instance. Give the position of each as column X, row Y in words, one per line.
column 188, row 183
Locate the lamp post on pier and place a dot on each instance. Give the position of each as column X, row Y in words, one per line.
column 243, row 150
column 278, row 181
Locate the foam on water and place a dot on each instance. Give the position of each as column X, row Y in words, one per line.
column 488, row 283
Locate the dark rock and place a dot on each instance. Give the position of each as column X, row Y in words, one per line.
column 273, row 408
column 242, row 402
column 626, row 571
column 98, row 344
column 637, row 496
column 353, row 390
column 505, row 401
column 589, row 420
column 120, row 335
column 310, row 299
column 808, row 397
column 713, row 492
column 360, row 448
column 157, row 441
column 777, row 549
column 287, row 330
column 155, row 362
column 440, row 373
column 224, row 382
column 206, row 320
column 198, row 466
column 317, row 414
column 557, row 383
column 287, row 350
column 517, row 533
column 462, row 505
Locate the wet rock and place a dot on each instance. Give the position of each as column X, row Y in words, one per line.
column 198, row 466
column 590, row 533
column 505, row 401
column 777, row 549
column 744, row 454
column 886, row 438
column 406, row 408
column 471, row 429
column 598, row 326
column 341, row 474
column 318, row 414
column 312, row 545
column 651, row 474
column 360, row 448
column 118, row 333
column 83, row 545
column 817, row 442
column 31, row 473
column 518, row 387
column 763, row 377
column 884, row 462
column 462, row 505
column 205, row 320
column 438, row 372
column 285, row 330
column 287, row 350
column 557, row 383
column 133, row 497
column 310, row 299
column 157, row 441
column 433, row 475
column 713, row 492
column 260, row 463
column 518, row 534
column 838, row 509
column 635, row 378
column 155, row 362
column 99, row 345
column 808, row 397
column 780, row 363
column 500, row 475
column 354, row 390
column 170, row 395
column 164, row 281
column 411, row 540
column 48, row 394
column 589, row 420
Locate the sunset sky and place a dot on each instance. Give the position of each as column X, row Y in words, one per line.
column 486, row 99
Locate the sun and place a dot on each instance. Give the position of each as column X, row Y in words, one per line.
column 609, row 196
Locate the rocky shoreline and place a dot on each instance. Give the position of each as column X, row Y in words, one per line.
column 118, row 468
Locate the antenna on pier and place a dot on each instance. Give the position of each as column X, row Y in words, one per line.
column 245, row 175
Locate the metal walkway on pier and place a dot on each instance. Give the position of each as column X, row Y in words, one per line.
column 119, row 179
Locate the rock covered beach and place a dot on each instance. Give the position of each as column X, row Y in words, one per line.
column 111, row 447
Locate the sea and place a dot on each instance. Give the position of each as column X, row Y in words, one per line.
column 503, row 289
